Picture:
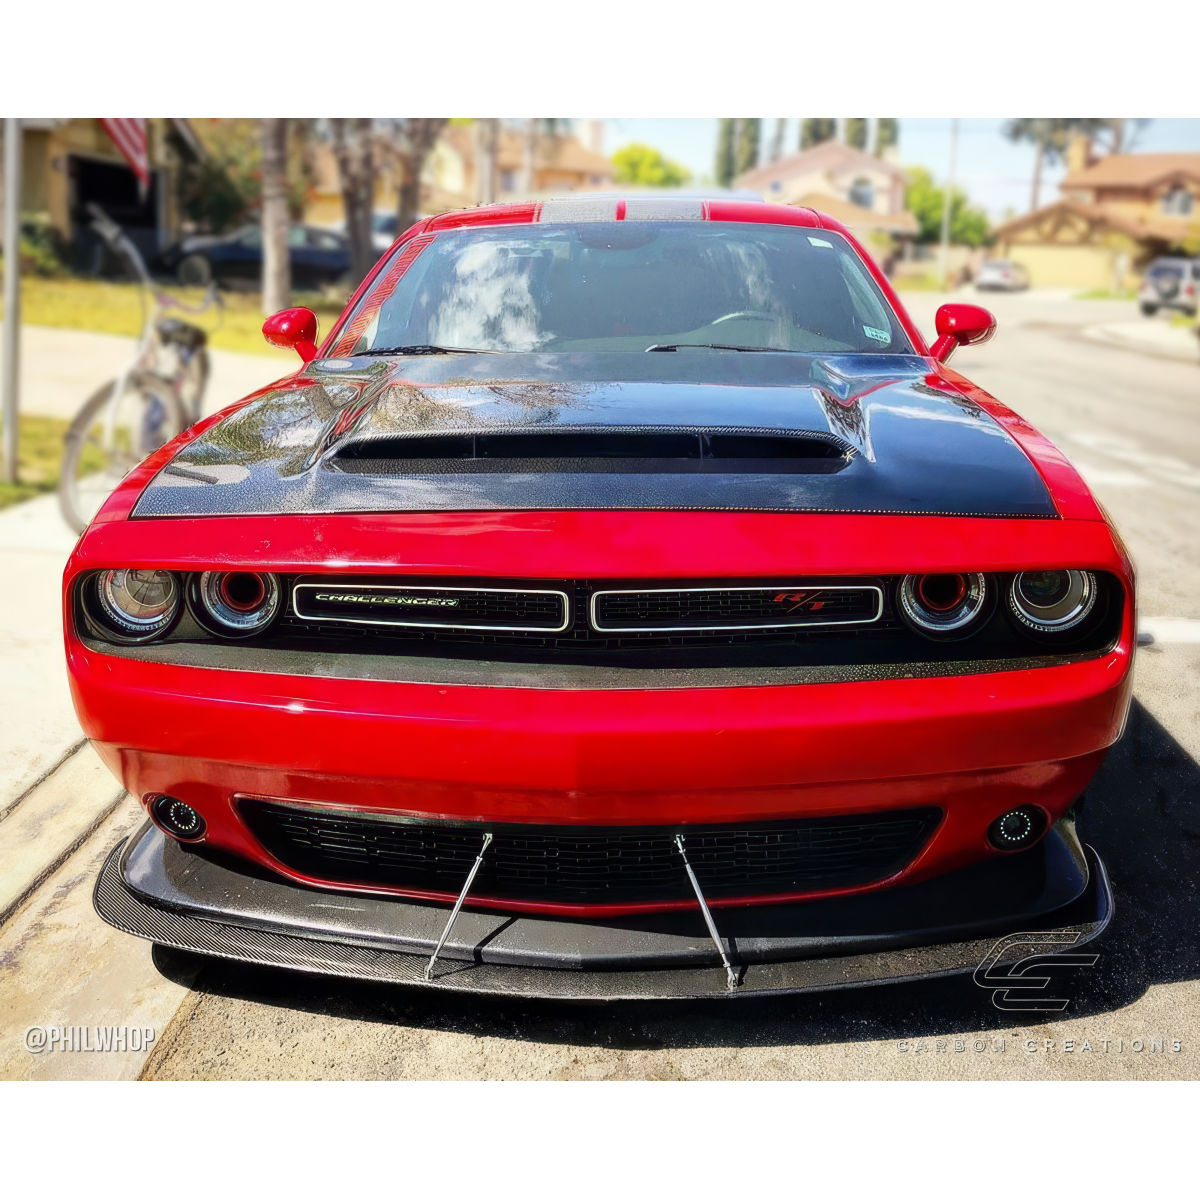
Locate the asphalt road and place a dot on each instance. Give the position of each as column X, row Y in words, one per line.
column 1132, row 423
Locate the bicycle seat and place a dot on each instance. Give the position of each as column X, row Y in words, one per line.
column 172, row 331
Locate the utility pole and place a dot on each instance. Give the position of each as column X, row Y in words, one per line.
column 12, row 291
column 944, row 257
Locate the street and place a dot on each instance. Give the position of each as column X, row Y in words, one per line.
column 1131, row 422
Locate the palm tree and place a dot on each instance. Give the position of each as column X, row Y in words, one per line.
column 414, row 140
column 353, row 147
column 276, row 265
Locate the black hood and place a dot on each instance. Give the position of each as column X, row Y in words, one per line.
column 773, row 433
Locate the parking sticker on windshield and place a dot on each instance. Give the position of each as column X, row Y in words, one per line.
column 812, row 241
column 880, row 335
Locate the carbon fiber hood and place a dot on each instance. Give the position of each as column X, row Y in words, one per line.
column 906, row 443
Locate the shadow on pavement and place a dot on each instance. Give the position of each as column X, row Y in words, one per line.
column 1141, row 813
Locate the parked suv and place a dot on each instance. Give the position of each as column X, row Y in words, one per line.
column 1170, row 283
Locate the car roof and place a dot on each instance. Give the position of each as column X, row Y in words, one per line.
column 635, row 207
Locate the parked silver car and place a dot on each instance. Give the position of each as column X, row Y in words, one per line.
column 1000, row 275
column 1170, row 283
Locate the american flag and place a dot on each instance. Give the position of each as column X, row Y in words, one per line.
column 128, row 134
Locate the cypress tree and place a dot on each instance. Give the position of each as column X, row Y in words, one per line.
column 814, row 130
column 725, row 152
column 748, row 131
column 856, row 132
column 887, row 134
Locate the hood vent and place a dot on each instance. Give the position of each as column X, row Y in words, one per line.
column 650, row 452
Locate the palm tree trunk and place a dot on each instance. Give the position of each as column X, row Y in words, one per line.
column 356, row 167
column 1037, row 176
column 276, row 265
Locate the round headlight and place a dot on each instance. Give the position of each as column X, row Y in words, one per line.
column 138, row 604
column 1052, row 601
column 943, row 605
column 238, row 603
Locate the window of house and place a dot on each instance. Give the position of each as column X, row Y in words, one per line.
column 1178, row 202
column 508, row 181
column 862, row 192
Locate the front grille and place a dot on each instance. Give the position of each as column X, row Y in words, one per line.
column 780, row 606
column 591, row 865
column 425, row 607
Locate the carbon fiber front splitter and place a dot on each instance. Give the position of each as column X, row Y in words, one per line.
column 154, row 888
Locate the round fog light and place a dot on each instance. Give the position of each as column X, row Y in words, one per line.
column 1017, row 829
column 178, row 819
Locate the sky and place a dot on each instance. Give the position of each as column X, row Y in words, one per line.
column 996, row 174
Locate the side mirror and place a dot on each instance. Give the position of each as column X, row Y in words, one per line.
column 961, row 325
column 293, row 329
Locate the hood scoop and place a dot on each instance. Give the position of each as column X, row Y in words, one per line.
column 573, row 451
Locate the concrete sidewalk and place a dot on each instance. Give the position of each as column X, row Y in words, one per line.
column 1149, row 336
column 61, row 368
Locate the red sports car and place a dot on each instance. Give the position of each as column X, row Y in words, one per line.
column 623, row 601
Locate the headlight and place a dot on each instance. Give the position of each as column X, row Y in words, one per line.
column 1052, row 601
column 139, row 605
column 235, row 603
column 943, row 605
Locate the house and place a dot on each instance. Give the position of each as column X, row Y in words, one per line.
column 561, row 163
column 70, row 163
column 1114, row 216
column 863, row 192
column 451, row 177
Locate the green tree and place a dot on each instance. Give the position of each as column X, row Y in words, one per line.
column 746, row 155
column 814, row 130
column 926, row 201
column 856, row 132
column 640, row 164
column 887, row 134
column 726, row 160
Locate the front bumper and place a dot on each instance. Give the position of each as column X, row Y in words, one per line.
column 154, row 888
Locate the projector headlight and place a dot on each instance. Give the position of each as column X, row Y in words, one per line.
column 138, row 605
column 944, row 606
column 1052, row 601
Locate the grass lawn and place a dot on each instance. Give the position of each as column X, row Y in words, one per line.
column 104, row 307
column 39, row 453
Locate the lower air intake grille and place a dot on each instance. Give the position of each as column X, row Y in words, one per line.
column 591, row 865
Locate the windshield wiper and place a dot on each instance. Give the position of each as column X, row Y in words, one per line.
column 420, row 350
column 656, row 348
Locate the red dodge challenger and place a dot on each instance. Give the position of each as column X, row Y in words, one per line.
column 623, row 601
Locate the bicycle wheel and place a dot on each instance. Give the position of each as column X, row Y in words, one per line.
column 108, row 438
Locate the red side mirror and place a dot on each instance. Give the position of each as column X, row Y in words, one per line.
column 961, row 325
column 293, row 329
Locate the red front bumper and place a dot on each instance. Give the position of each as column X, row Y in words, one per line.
column 974, row 745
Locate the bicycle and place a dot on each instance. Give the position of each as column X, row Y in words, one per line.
column 156, row 397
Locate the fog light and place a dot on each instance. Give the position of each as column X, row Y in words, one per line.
column 1017, row 829
column 235, row 603
column 943, row 606
column 178, row 819
column 138, row 605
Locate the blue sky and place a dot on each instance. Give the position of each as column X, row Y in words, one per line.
column 997, row 174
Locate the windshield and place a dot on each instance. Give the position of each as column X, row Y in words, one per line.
column 1166, row 271
column 628, row 287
